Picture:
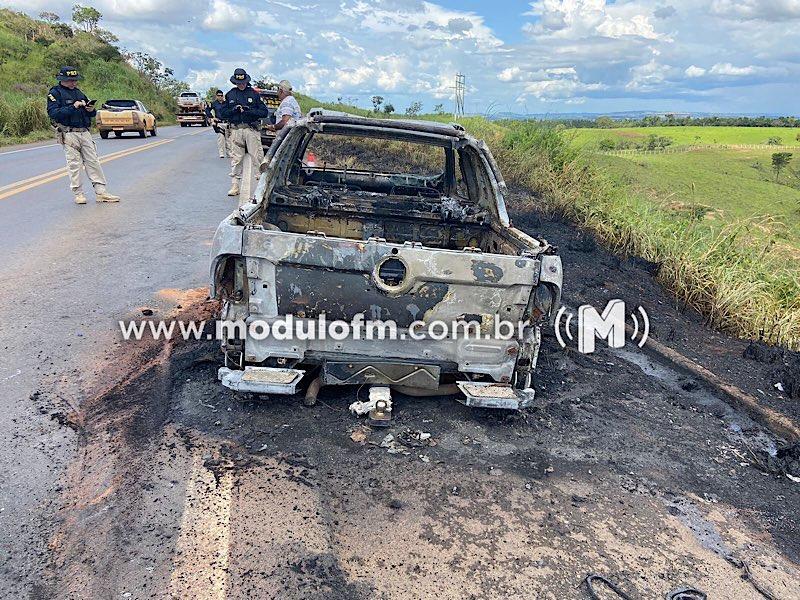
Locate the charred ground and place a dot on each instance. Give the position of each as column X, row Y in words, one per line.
column 625, row 467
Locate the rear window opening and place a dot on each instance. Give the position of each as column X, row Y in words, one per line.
column 123, row 104
column 356, row 187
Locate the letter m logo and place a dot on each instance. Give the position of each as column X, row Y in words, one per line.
column 609, row 326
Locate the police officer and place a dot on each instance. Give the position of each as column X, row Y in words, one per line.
column 243, row 110
column 72, row 113
column 214, row 114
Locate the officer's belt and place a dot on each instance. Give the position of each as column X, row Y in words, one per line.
column 66, row 129
column 243, row 126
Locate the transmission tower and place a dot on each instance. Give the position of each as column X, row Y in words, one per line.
column 460, row 89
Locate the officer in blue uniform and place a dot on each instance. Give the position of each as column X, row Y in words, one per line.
column 71, row 113
column 243, row 110
column 218, row 122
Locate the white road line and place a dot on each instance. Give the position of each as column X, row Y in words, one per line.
column 94, row 137
column 27, row 149
column 200, row 567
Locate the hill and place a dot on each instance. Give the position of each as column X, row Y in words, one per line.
column 31, row 53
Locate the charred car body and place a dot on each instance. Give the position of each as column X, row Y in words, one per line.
column 350, row 244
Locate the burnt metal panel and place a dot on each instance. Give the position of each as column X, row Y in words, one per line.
column 339, row 294
column 388, row 373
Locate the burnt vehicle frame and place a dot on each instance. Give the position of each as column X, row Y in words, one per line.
column 389, row 246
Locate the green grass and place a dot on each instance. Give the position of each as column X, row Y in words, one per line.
column 687, row 136
column 720, row 186
column 31, row 53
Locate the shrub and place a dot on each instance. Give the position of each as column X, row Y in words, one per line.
column 607, row 144
column 30, row 116
column 656, row 142
column 774, row 141
column 6, row 116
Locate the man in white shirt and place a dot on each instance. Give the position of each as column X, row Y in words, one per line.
column 288, row 110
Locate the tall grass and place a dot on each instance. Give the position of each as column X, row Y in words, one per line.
column 30, row 116
column 732, row 275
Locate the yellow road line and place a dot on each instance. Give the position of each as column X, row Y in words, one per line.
column 63, row 170
column 32, row 182
column 200, row 568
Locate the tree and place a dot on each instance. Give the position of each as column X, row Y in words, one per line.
column 104, row 35
column 388, row 108
column 49, row 17
column 414, row 109
column 266, row 82
column 604, row 122
column 376, row 103
column 161, row 76
column 438, row 109
column 780, row 160
column 86, row 17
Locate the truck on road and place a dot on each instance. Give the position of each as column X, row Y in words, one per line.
column 191, row 109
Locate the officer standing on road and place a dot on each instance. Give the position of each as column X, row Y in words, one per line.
column 243, row 110
column 72, row 113
column 214, row 114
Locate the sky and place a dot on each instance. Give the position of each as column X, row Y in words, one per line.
column 547, row 56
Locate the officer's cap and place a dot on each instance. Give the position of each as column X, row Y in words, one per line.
column 240, row 76
column 68, row 74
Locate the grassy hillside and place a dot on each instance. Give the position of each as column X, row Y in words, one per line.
column 719, row 186
column 31, row 53
column 723, row 231
column 690, row 135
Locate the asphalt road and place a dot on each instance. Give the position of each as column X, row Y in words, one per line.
column 68, row 272
column 127, row 471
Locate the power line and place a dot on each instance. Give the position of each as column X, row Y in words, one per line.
column 458, row 101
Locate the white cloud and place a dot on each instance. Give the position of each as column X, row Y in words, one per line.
column 647, row 77
column 224, row 16
column 583, row 18
column 510, row 74
column 767, row 10
column 192, row 52
column 558, row 84
column 729, row 70
column 694, row 71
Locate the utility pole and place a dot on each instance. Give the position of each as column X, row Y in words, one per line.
column 458, row 102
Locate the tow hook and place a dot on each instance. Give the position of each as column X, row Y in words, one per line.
column 381, row 414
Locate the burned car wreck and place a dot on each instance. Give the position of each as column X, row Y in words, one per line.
column 327, row 239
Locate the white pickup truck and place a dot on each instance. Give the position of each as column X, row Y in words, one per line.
column 191, row 109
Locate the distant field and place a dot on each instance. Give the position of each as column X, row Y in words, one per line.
column 685, row 136
column 717, row 186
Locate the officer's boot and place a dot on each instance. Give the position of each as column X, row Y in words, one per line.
column 234, row 191
column 106, row 197
column 80, row 198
